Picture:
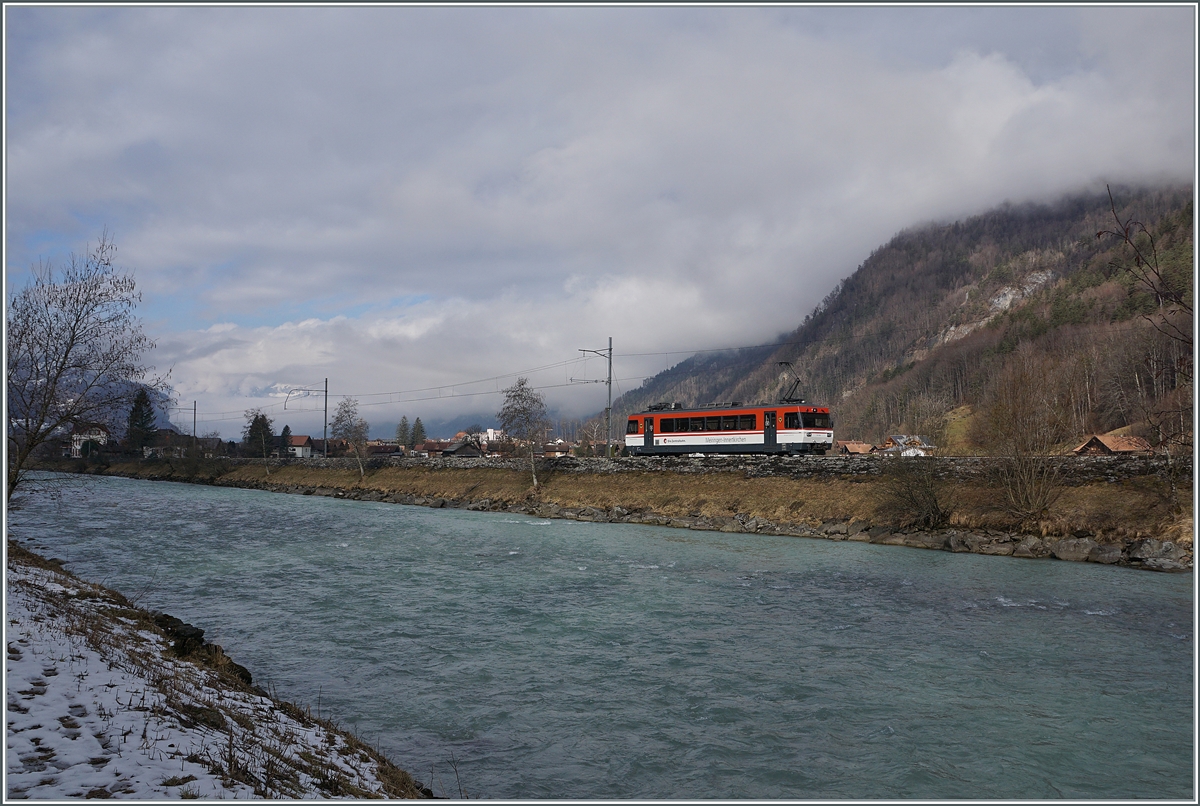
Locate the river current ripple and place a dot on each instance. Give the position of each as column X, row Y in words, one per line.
column 576, row 660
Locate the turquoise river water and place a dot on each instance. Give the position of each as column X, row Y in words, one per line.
column 577, row 660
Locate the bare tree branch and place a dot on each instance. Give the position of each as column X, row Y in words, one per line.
column 74, row 352
column 523, row 417
column 349, row 426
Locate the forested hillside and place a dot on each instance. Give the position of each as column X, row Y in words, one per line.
column 957, row 330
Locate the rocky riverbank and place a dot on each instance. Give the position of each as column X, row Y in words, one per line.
column 106, row 700
column 1139, row 552
column 1109, row 511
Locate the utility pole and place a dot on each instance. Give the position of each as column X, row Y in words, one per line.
column 324, row 425
column 608, row 409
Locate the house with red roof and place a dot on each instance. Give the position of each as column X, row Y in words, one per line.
column 1112, row 445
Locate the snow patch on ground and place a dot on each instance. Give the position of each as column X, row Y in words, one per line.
column 100, row 705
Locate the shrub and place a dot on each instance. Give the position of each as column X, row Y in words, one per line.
column 914, row 493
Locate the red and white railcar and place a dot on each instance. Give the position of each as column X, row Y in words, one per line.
column 782, row 428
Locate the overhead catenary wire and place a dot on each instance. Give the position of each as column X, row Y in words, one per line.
column 452, row 387
column 565, row 363
column 434, row 397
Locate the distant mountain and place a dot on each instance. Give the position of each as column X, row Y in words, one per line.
column 919, row 332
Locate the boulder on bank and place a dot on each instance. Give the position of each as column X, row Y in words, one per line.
column 964, row 541
column 187, row 638
column 593, row 514
column 1075, row 549
column 1108, row 555
column 188, row 641
column 1031, row 547
column 925, row 540
column 1002, row 547
column 1160, row 555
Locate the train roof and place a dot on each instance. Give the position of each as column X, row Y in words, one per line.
column 670, row 408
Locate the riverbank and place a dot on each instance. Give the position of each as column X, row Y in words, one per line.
column 106, row 700
column 1116, row 512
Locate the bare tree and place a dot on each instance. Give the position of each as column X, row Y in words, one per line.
column 593, row 429
column 523, row 417
column 349, row 426
column 1023, row 424
column 74, row 353
column 1170, row 284
column 214, row 439
column 915, row 492
column 1167, row 411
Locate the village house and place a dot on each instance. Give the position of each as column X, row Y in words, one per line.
column 1111, row 445
column 337, row 447
column 905, row 445
column 463, row 448
column 383, row 447
column 84, row 433
column 210, row 447
column 433, row 447
column 852, row 447
column 168, row 444
column 300, row 446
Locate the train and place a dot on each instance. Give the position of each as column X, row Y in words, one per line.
column 789, row 428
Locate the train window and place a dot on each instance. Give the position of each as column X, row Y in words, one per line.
column 712, row 423
column 631, row 427
column 791, row 419
column 748, row 422
column 697, row 424
column 666, row 425
column 729, row 423
column 814, row 420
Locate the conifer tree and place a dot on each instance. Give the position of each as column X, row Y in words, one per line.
column 418, row 433
column 140, row 429
column 402, row 432
column 285, row 437
column 258, row 436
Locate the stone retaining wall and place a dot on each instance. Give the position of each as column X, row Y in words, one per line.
column 1074, row 470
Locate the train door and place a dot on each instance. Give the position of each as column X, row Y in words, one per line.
column 769, row 442
column 648, row 442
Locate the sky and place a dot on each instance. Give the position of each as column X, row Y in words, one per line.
column 422, row 203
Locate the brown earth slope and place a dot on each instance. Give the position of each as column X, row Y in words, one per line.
column 1124, row 506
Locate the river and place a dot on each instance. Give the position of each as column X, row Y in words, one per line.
column 511, row 657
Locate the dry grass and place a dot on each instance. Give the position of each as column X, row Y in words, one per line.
column 956, row 434
column 715, row 495
column 1129, row 508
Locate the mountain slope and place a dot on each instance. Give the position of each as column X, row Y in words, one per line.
column 928, row 322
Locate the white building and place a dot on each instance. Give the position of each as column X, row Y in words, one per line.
column 87, row 432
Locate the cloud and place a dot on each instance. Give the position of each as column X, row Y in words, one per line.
column 384, row 194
